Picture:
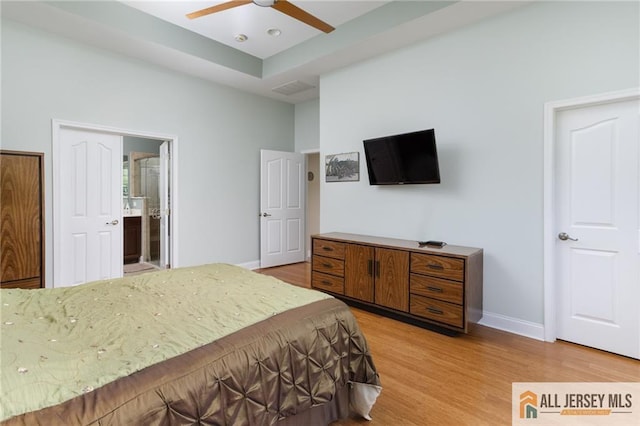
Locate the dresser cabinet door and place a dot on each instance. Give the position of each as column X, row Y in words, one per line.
column 358, row 278
column 392, row 278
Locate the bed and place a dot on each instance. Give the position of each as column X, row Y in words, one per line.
column 214, row 345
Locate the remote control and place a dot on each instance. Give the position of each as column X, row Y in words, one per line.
column 432, row 243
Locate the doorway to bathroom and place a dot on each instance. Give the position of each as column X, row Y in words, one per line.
column 145, row 191
column 90, row 201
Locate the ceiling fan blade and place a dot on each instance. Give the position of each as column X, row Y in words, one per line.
column 217, row 8
column 295, row 12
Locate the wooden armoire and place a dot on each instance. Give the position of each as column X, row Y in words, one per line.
column 21, row 219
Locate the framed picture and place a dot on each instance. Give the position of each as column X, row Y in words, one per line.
column 342, row 167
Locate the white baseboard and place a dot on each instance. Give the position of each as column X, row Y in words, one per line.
column 513, row 325
column 254, row 264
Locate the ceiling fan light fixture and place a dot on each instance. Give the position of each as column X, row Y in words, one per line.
column 264, row 3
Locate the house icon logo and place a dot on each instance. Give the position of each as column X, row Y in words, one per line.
column 528, row 405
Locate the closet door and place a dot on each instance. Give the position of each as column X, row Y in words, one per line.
column 21, row 220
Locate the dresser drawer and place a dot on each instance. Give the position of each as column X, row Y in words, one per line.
column 436, row 288
column 437, row 310
column 439, row 266
column 327, row 282
column 328, row 248
column 328, row 265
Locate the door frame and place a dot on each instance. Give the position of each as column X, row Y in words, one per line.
column 56, row 126
column 307, row 153
column 551, row 110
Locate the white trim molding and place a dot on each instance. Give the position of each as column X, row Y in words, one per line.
column 310, row 151
column 513, row 325
column 551, row 110
column 254, row 264
column 57, row 125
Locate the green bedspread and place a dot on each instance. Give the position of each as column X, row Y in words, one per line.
column 56, row 344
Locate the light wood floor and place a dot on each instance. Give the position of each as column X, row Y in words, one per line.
column 432, row 379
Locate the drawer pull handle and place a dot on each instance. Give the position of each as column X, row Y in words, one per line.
column 435, row 311
column 435, row 289
column 435, row 266
column 325, row 282
column 327, row 265
column 327, row 248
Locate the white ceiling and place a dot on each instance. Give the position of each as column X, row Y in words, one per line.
column 159, row 32
column 254, row 21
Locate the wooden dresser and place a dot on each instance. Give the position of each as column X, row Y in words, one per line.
column 21, row 219
column 431, row 286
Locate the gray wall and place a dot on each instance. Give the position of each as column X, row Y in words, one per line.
column 307, row 135
column 483, row 89
column 220, row 130
column 307, row 126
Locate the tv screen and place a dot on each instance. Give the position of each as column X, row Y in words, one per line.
column 407, row 158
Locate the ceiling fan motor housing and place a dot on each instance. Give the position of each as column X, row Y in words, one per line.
column 265, row 3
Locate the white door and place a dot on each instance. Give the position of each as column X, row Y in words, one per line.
column 598, row 226
column 89, row 204
column 165, row 209
column 282, row 191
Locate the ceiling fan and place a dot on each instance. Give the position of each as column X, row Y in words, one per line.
column 280, row 5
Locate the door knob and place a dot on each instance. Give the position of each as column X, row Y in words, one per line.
column 264, row 214
column 564, row 237
column 114, row 222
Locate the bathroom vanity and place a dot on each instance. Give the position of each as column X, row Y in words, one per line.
column 132, row 238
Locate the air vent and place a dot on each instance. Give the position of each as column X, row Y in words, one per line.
column 292, row 87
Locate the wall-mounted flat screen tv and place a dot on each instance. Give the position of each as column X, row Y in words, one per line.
column 406, row 158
